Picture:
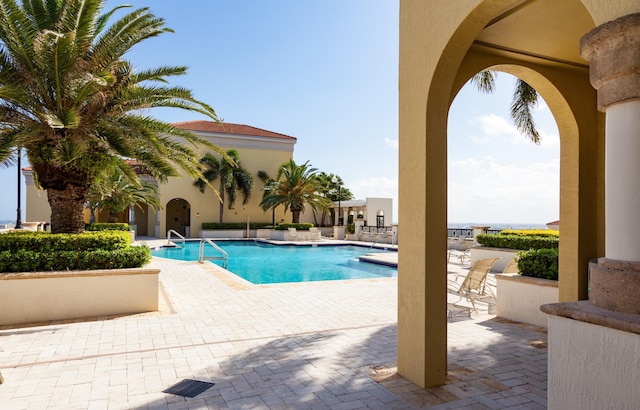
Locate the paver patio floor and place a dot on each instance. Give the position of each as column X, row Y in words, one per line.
column 323, row 345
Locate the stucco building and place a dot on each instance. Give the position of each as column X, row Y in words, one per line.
column 582, row 57
column 183, row 207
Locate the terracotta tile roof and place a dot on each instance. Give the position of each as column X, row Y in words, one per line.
column 228, row 128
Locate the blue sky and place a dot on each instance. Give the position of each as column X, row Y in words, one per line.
column 327, row 73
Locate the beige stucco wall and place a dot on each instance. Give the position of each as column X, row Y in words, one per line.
column 261, row 156
column 593, row 367
column 379, row 204
column 45, row 296
column 36, row 202
column 437, row 56
column 519, row 298
column 256, row 154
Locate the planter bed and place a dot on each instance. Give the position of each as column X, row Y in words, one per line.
column 519, row 298
column 223, row 233
column 30, row 297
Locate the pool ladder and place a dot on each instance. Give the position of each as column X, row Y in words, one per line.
column 171, row 231
column 224, row 256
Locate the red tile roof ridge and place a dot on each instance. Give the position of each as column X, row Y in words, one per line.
column 228, row 128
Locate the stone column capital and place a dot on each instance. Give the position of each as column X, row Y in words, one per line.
column 613, row 51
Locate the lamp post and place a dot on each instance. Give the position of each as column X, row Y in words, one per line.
column 335, row 181
column 19, row 211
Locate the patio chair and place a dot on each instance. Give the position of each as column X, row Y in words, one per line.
column 512, row 266
column 474, row 286
column 315, row 234
column 461, row 255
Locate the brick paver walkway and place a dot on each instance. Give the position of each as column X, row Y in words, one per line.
column 329, row 345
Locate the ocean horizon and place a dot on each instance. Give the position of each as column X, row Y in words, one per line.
column 497, row 225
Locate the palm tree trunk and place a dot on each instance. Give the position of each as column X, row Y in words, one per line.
column 295, row 216
column 221, row 199
column 67, row 209
column 67, row 193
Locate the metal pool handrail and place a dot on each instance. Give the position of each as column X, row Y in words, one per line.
column 169, row 232
column 224, row 255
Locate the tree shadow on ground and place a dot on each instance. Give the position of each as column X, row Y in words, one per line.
column 503, row 366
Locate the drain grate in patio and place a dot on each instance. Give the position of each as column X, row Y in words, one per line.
column 188, row 388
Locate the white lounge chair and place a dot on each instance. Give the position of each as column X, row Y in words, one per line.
column 315, row 234
column 474, row 286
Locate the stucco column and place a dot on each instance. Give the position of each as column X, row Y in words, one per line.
column 613, row 50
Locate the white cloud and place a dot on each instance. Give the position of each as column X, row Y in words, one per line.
column 391, row 142
column 485, row 190
column 496, row 129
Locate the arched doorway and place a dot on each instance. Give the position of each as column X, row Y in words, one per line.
column 441, row 48
column 178, row 216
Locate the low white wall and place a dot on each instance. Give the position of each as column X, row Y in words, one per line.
column 30, row 297
column 263, row 233
column 519, row 298
column 222, row 233
column 505, row 255
column 592, row 366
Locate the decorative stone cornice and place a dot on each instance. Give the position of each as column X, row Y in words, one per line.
column 615, row 285
column 613, row 51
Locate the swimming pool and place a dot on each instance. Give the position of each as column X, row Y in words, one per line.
column 263, row 263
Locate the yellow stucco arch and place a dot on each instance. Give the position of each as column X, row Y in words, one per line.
column 439, row 52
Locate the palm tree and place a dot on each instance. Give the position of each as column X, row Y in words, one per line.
column 233, row 178
column 71, row 100
column 116, row 191
column 335, row 191
column 295, row 185
column 525, row 98
column 268, row 182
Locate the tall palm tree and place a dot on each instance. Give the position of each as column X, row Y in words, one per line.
column 116, row 191
column 233, row 178
column 525, row 98
column 335, row 191
column 268, row 183
column 295, row 185
column 71, row 100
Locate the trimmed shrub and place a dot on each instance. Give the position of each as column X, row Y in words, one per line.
column 235, row 225
column 539, row 263
column 532, row 232
column 103, row 226
column 44, row 251
column 520, row 242
column 48, row 242
column 32, row 261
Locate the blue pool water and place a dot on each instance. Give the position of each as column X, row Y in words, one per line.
column 262, row 263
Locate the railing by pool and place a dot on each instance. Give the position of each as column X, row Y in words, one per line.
column 224, row 256
column 170, row 232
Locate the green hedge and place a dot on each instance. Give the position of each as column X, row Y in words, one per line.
column 44, row 251
column 103, row 226
column 48, row 242
column 531, row 232
column 520, row 242
column 33, row 261
column 539, row 263
column 234, row 225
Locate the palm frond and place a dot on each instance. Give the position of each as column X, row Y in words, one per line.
column 485, row 81
column 525, row 98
